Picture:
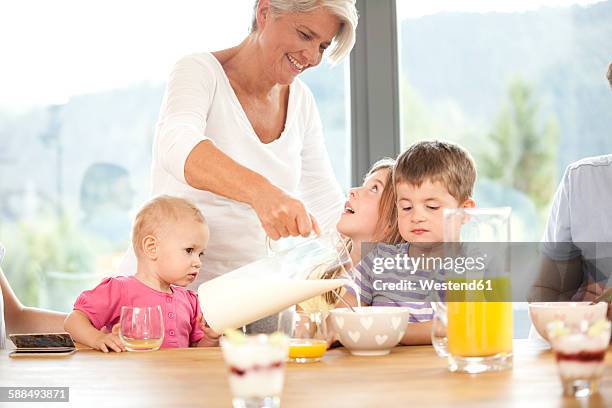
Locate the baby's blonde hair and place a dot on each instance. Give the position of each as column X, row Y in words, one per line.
column 158, row 212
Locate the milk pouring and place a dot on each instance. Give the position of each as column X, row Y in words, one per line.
column 306, row 268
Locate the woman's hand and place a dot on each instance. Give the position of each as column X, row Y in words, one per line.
column 282, row 215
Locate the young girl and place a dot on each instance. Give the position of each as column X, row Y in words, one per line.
column 370, row 215
column 169, row 237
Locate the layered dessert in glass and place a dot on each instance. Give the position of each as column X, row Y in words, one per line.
column 580, row 351
column 256, row 368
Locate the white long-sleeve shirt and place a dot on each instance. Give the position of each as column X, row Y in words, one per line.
column 200, row 104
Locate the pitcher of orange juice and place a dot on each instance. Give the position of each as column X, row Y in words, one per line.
column 475, row 307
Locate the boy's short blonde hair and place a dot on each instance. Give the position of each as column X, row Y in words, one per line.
column 434, row 160
column 159, row 211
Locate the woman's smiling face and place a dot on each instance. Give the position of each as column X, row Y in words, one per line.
column 361, row 211
column 290, row 43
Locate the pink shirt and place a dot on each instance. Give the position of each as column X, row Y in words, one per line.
column 180, row 308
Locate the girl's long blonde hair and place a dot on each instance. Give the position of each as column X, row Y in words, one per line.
column 386, row 230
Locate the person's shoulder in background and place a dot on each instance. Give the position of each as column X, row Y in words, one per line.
column 588, row 180
column 591, row 163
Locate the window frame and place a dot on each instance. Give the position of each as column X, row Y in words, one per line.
column 374, row 87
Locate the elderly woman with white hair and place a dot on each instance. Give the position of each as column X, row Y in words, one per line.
column 241, row 136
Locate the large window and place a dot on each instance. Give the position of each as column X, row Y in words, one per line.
column 82, row 85
column 520, row 84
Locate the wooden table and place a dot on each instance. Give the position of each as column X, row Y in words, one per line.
column 409, row 376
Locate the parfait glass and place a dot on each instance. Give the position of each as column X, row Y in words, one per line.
column 580, row 350
column 256, row 368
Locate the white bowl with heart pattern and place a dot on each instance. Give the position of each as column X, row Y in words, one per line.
column 371, row 330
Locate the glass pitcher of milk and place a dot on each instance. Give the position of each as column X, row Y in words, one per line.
column 296, row 269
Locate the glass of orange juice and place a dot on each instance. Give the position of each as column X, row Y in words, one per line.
column 308, row 334
column 479, row 336
column 478, row 333
column 476, row 302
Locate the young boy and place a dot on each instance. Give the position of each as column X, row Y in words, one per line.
column 428, row 177
column 169, row 237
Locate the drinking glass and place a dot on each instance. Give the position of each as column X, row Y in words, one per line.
column 439, row 341
column 473, row 324
column 141, row 328
column 580, row 350
column 308, row 334
column 256, row 368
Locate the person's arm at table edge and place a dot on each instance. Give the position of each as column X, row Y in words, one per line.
column 559, row 272
column 556, row 280
column 417, row 334
column 21, row 319
column 81, row 330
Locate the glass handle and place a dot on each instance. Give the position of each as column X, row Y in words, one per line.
column 270, row 250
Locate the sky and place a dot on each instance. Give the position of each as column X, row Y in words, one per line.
column 52, row 50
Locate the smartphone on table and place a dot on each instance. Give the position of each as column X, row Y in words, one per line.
column 42, row 344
